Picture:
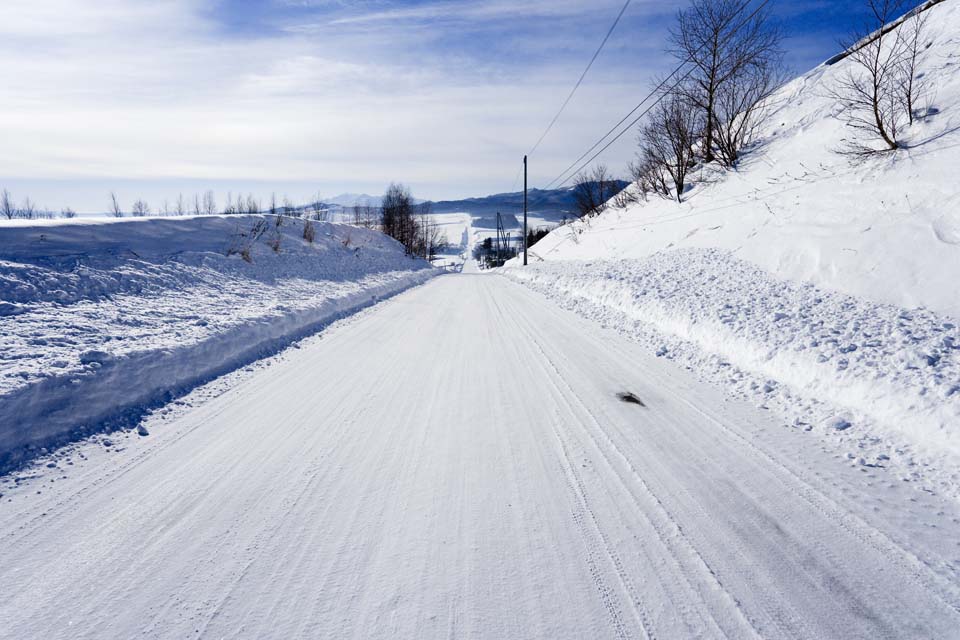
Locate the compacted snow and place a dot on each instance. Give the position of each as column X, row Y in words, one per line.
column 882, row 382
column 99, row 319
column 458, row 462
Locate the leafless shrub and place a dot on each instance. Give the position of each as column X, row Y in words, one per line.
column 667, row 142
column 28, row 210
column 912, row 87
column 309, row 232
column 318, row 209
column 276, row 238
column 209, row 204
column 7, row 208
column 140, row 209
column 228, row 208
column 741, row 108
column 243, row 241
column 115, row 209
column 365, row 215
column 593, row 189
column 252, row 205
column 68, row 213
column 870, row 89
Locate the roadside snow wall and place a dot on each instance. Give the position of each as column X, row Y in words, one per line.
column 100, row 319
column 829, row 361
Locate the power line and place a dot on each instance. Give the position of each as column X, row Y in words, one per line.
column 556, row 181
column 582, row 76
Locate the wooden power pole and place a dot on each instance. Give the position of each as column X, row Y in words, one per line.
column 524, row 210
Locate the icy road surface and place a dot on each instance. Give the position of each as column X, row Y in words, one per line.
column 456, row 463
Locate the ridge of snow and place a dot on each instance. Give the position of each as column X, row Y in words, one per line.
column 101, row 319
column 886, row 380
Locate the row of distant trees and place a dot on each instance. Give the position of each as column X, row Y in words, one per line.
column 733, row 60
column 27, row 209
column 205, row 204
column 399, row 216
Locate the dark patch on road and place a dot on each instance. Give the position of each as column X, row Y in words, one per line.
column 629, row 398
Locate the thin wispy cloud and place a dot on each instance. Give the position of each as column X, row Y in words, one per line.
column 149, row 98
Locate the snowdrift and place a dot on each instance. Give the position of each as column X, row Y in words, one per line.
column 102, row 318
column 803, row 280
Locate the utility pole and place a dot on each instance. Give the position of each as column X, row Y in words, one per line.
column 524, row 210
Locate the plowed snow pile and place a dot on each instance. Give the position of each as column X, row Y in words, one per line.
column 827, row 288
column 99, row 319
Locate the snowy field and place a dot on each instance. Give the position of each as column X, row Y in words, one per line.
column 102, row 318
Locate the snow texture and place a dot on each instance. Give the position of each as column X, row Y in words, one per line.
column 99, row 319
column 887, row 229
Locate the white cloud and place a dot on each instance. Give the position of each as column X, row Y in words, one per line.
column 148, row 92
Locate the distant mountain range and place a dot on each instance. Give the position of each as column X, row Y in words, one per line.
column 552, row 200
column 558, row 201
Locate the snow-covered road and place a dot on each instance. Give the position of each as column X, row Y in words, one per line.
column 455, row 463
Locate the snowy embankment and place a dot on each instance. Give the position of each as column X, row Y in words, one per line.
column 100, row 319
column 829, row 361
column 885, row 229
column 825, row 288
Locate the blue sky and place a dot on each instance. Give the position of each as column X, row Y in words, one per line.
column 151, row 98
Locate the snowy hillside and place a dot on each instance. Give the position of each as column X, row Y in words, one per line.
column 822, row 288
column 99, row 319
column 887, row 230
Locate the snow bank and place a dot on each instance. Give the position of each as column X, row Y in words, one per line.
column 887, row 230
column 101, row 318
column 835, row 361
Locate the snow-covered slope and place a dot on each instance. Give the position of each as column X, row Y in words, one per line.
column 826, row 290
column 887, row 230
column 101, row 318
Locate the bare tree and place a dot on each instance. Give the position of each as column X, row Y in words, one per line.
column 165, row 208
column 868, row 90
column 649, row 175
column 273, row 203
column 197, row 209
column 7, row 209
column 319, row 211
column 228, row 208
column 253, row 206
column 115, row 209
column 181, row 207
column 140, row 209
column 668, row 138
column 397, row 216
column 593, row 189
column 28, row 209
column 911, row 85
column 209, row 203
column 728, row 44
column 364, row 215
